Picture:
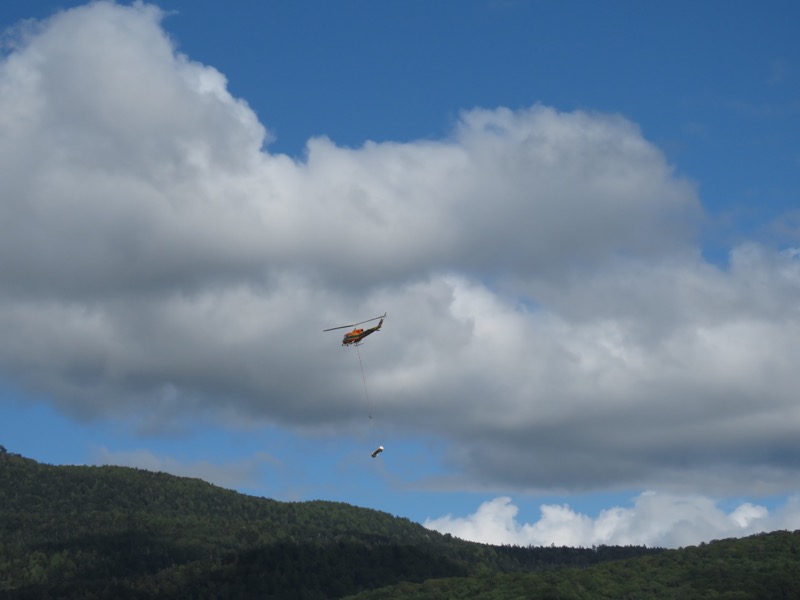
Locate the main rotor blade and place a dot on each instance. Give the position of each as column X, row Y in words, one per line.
column 342, row 327
column 372, row 319
column 383, row 316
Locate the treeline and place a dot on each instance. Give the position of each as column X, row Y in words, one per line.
column 760, row 567
column 115, row 532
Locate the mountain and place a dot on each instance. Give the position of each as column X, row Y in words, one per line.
column 760, row 567
column 118, row 532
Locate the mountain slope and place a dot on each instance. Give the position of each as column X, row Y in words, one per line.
column 113, row 532
column 96, row 531
column 760, row 567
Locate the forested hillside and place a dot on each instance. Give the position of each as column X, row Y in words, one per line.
column 761, row 567
column 116, row 532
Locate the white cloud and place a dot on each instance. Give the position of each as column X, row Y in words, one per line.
column 544, row 292
column 655, row 520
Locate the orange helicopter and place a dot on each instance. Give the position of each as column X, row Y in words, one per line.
column 355, row 336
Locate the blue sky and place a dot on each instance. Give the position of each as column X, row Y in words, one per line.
column 580, row 217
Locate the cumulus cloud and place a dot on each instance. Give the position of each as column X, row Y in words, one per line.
column 545, row 291
column 655, row 519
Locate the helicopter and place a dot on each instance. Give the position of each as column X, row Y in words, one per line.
column 357, row 335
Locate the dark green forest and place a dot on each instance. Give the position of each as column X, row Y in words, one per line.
column 117, row 532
